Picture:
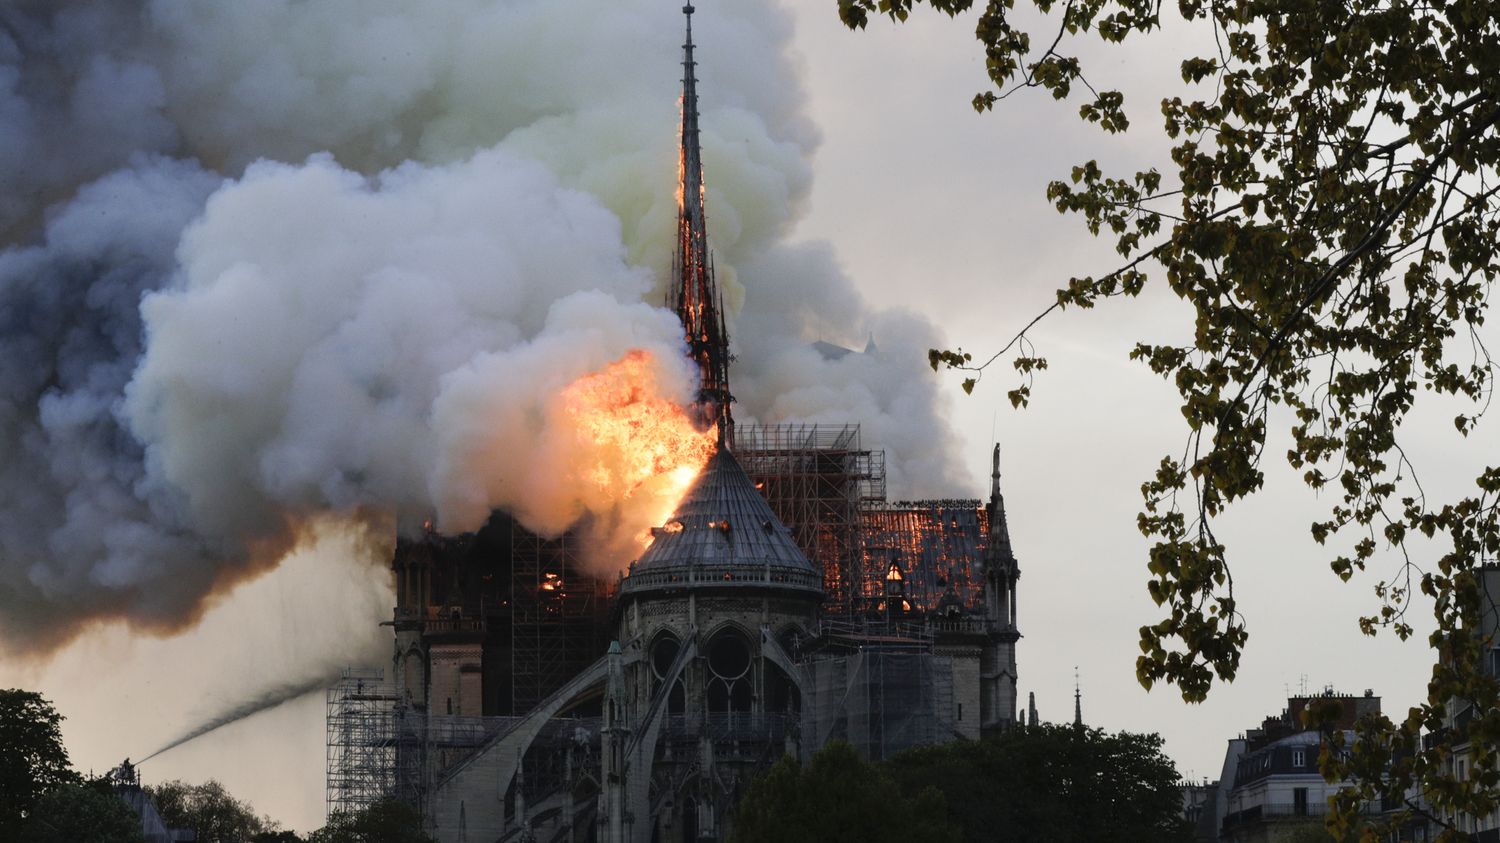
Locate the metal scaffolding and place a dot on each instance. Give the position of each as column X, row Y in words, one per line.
column 885, row 697
column 559, row 615
column 361, row 745
column 816, row 479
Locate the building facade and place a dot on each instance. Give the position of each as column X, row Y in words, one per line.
column 1460, row 712
column 1270, row 784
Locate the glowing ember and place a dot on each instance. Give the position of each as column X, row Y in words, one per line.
column 643, row 446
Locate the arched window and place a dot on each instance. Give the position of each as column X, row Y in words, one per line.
column 729, row 681
column 664, row 650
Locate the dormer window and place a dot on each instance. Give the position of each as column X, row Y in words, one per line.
column 895, row 581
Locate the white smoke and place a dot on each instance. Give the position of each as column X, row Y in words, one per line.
column 366, row 365
column 339, row 257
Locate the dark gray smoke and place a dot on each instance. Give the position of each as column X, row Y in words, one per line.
column 78, row 535
column 76, row 102
column 264, row 264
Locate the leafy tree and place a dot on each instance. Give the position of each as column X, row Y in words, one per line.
column 1314, row 831
column 387, row 821
column 33, row 761
column 82, row 813
column 282, row 836
column 209, row 810
column 1330, row 218
column 839, row 796
column 1053, row 782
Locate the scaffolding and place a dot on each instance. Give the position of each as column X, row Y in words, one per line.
column 885, row 697
column 559, row 615
column 816, row 479
column 361, row 745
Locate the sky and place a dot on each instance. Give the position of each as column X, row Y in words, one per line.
column 935, row 207
column 926, row 209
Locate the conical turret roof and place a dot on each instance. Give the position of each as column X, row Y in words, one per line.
column 723, row 532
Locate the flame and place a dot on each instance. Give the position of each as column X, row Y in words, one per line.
column 681, row 164
column 642, row 447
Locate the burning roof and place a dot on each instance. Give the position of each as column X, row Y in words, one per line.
column 723, row 520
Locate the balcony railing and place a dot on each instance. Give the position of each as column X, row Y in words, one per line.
column 723, row 576
column 439, row 626
column 725, row 726
column 1315, row 808
column 1274, row 811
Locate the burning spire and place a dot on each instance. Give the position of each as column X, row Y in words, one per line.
column 694, row 294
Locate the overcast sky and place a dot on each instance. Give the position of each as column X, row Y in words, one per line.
column 933, row 208
column 937, row 208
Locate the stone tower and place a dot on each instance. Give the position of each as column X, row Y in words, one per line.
column 706, row 618
column 1001, row 571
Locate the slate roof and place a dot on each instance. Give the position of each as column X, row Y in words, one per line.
column 723, row 520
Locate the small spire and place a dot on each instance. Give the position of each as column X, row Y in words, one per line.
column 1077, row 699
column 995, row 475
column 1000, row 556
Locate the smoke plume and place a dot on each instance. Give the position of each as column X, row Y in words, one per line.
column 269, row 263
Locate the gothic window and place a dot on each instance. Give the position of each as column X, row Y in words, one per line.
column 729, row 683
column 663, row 653
column 664, row 650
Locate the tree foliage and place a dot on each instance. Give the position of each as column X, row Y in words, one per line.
column 282, row 836
column 1330, row 219
column 33, row 761
column 209, row 810
column 1053, row 782
column 388, row 821
column 838, row 796
column 1313, row 831
column 82, row 813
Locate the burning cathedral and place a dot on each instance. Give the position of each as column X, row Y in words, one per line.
column 784, row 603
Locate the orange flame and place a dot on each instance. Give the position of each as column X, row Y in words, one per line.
column 643, row 445
column 681, row 165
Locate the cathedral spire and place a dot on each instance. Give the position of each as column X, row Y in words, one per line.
column 694, row 294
